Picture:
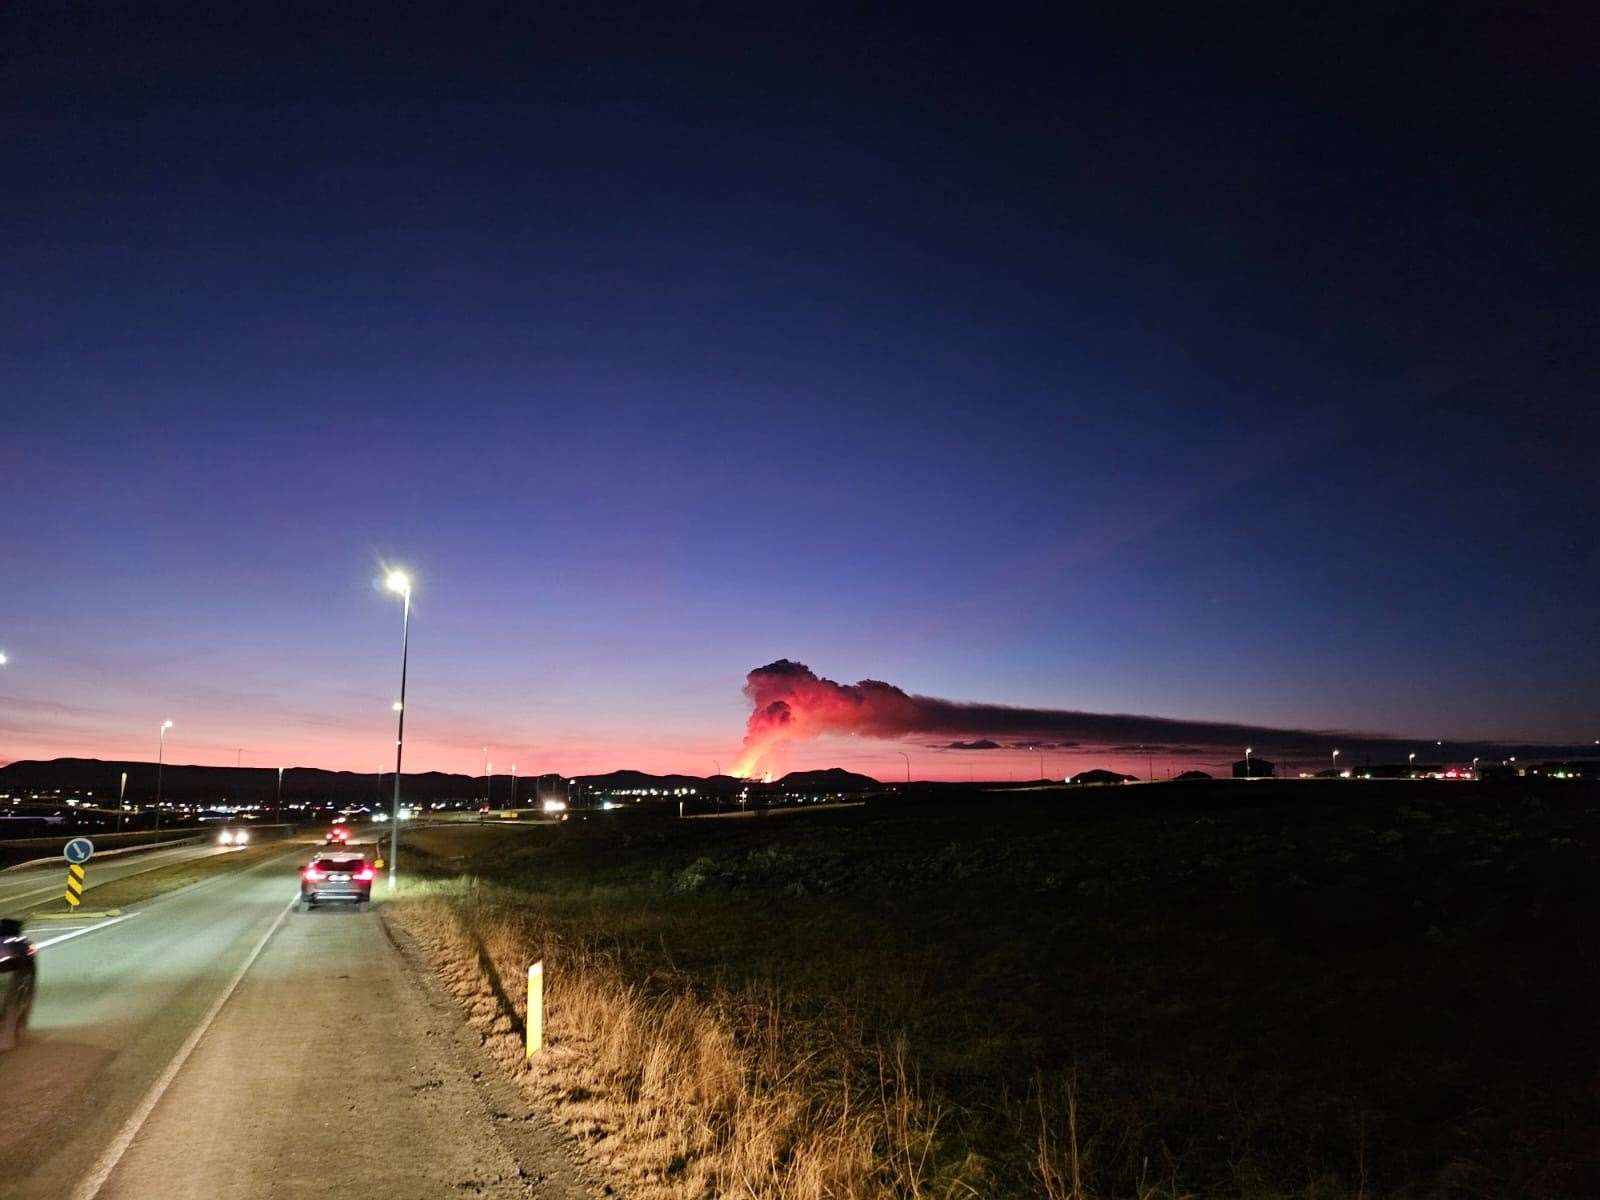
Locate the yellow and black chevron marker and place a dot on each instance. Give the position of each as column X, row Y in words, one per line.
column 74, row 885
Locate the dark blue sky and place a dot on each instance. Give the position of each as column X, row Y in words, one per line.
column 1238, row 367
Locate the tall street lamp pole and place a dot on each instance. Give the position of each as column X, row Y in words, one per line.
column 277, row 805
column 161, row 759
column 399, row 582
column 1335, row 762
column 122, row 793
column 513, row 803
column 907, row 757
column 487, row 801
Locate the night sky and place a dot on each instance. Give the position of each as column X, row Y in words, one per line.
column 1231, row 368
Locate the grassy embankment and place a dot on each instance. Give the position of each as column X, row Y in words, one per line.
column 1319, row 990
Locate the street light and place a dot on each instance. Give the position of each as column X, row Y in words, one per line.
column 277, row 807
column 487, row 801
column 1247, row 762
column 907, row 757
column 1411, row 761
column 400, row 583
column 4, row 660
column 513, row 803
column 1335, row 762
column 161, row 758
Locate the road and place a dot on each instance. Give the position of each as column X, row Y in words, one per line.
column 213, row 1042
column 27, row 886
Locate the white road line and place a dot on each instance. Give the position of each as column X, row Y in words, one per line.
column 80, row 932
column 91, row 1184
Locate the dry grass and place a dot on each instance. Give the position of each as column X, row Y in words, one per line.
column 686, row 1094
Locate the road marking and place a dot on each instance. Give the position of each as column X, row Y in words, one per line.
column 80, row 932
column 90, row 1187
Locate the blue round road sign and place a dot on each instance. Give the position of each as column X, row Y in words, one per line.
column 78, row 850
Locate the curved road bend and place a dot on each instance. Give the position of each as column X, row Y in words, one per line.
column 215, row 1043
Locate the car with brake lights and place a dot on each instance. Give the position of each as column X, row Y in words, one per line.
column 337, row 877
column 338, row 835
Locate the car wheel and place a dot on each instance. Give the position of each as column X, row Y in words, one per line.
column 363, row 906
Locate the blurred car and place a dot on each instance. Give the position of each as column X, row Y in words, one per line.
column 16, row 982
column 234, row 837
column 339, row 835
column 337, row 877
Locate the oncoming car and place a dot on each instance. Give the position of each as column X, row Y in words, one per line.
column 16, row 982
column 234, row 837
column 336, row 877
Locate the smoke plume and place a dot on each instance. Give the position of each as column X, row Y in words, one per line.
column 792, row 703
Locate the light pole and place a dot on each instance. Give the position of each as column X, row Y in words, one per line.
column 486, row 800
column 122, row 791
column 1041, row 766
column 1411, row 762
column 907, row 757
column 1336, row 762
column 1247, row 762
column 399, row 582
column 277, row 805
column 161, row 759
column 513, row 803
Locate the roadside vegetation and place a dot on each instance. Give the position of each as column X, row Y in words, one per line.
column 1279, row 990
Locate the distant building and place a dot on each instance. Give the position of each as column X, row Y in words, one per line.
column 1100, row 775
column 1254, row 768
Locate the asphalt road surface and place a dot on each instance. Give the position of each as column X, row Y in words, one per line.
column 215, row 1043
column 26, row 886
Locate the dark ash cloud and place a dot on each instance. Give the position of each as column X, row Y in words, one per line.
column 979, row 744
column 790, row 702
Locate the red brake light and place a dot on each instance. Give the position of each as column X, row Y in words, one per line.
column 365, row 873
column 313, row 874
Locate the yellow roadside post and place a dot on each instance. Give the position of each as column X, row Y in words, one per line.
column 76, row 852
column 535, row 1020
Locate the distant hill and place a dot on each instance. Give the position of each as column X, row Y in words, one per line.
column 183, row 783
column 833, row 779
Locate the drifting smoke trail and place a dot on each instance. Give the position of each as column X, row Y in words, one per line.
column 792, row 703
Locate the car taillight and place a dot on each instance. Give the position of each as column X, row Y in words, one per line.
column 312, row 874
column 365, row 874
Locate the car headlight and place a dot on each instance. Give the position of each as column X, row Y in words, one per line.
column 224, row 838
column 240, row 838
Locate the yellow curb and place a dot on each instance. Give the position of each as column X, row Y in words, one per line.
column 71, row 916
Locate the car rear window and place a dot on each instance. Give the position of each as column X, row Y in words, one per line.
column 338, row 864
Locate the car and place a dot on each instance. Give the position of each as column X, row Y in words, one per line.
column 234, row 837
column 338, row 835
column 337, row 877
column 16, row 982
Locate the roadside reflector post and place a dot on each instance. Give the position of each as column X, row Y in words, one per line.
column 77, row 852
column 535, row 1020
